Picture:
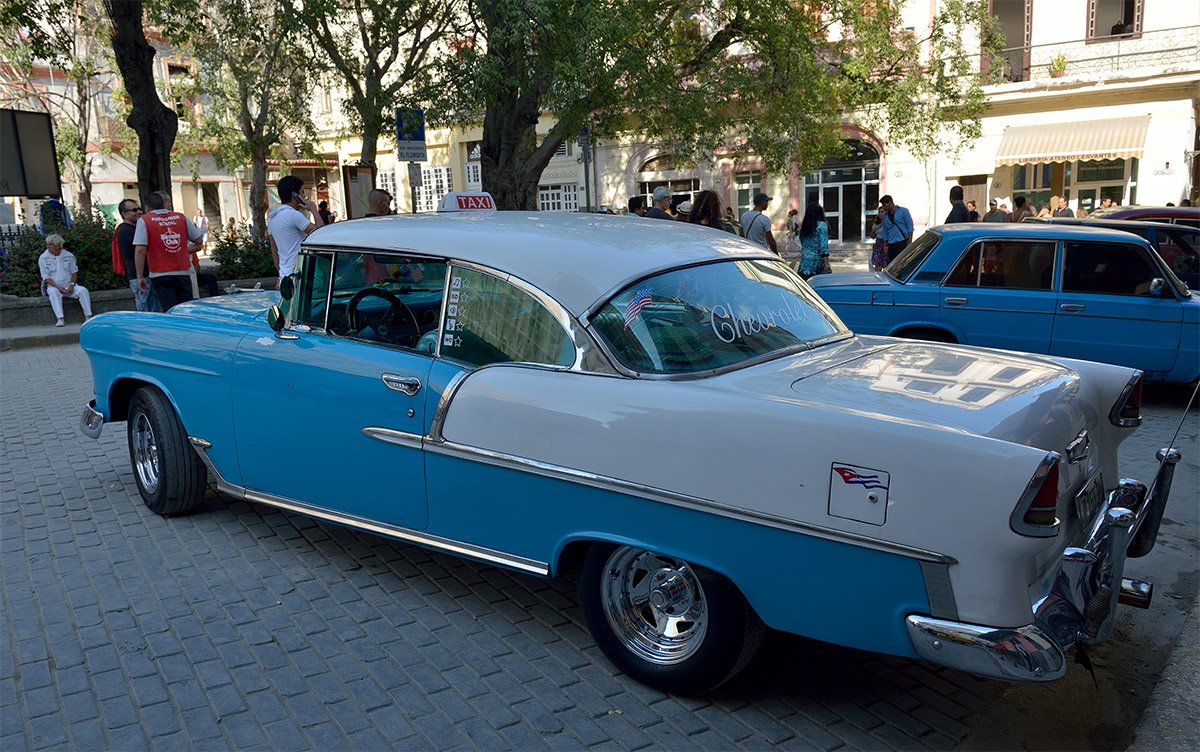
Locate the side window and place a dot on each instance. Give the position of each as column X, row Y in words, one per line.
column 387, row 298
column 1181, row 250
column 488, row 320
column 312, row 290
column 1109, row 268
column 1008, row 264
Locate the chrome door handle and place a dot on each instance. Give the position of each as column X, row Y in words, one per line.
column 955, row 301
column 406, row 384
column 1073, row 307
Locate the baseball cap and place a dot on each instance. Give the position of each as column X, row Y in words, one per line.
column 992, row 202
column 684, row 207
column 761, row 197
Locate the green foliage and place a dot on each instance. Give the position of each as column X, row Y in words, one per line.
column 242, row 256
column 90, row 239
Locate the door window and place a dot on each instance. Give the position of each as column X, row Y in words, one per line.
column 1009, row 264
column 312, row 290
column 386, row 298
column 489, row 320
column 1180, row 248
column 1107, row 268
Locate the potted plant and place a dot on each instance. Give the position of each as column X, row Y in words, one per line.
column 1058, row 65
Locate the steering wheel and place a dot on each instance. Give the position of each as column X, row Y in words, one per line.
column 384, row 324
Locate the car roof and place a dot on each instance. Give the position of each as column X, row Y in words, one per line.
column 578, row 259
column 1120, row 224
column 1063, row 231
column 1138, row 212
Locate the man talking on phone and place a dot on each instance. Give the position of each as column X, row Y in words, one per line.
column 287, row 225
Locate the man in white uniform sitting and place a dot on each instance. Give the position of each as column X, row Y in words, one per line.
column 59, row 270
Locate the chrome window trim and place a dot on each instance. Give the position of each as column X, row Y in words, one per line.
column 602, row 301
column 449, row 545
column 608, row 483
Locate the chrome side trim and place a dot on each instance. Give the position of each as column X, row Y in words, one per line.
column 200, row 443
column 91, row 422
column 390, row 436
column 1017, row 519
column 439, row 415
column 939, row 590
column 427, row 540
column 685, row 501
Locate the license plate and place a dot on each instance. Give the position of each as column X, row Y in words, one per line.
column 1089, row 498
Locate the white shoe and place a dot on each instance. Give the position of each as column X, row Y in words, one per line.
column 58, row 323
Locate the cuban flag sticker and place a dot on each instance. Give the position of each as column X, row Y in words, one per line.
column 859, row 493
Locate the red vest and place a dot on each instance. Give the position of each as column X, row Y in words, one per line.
column 166, row 242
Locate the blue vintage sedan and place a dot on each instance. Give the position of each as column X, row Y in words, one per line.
column 1078, row 292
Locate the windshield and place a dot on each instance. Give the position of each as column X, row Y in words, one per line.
column 912, row 257
column 713, row 316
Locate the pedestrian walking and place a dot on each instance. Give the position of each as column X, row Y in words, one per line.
column 814, row 242
column 879, row 257
column 60, row 270
column 162, row 242
column 125, row 258
column 958, row 210
column 994, row 213
column 897, row 226
column 287, row 226
column 791, row 239
column 201, row 223
column 660, row 202
column 326, row 215
column 756, row 225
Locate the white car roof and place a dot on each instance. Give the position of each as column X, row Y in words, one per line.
column 575, row 258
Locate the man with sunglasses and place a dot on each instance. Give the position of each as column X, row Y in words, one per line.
column 123, row 251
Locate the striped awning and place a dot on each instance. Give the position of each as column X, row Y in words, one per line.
column 1115, row 138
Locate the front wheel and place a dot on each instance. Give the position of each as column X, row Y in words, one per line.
column 170, row 475
column 666, row 623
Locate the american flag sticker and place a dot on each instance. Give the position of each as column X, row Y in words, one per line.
column 640, row 300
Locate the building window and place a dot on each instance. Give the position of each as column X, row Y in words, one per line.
column 474, row 176
column 1114, row 18
column 745, row 185
column 558, row 198
column 563, row 150
column 386, row 180
column 435, row 183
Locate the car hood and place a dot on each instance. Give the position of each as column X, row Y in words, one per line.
column 241, row 307
column 843, row 279
column 1001, row 395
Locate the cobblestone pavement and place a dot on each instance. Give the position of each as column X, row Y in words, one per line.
column 245, row 627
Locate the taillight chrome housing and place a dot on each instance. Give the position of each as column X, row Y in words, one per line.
column 1127, row 411
column 1036, row 514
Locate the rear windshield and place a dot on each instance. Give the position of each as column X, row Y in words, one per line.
column 702, row 318
column 911, row 258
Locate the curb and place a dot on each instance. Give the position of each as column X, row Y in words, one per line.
column 1170, row 721
column 66, row 336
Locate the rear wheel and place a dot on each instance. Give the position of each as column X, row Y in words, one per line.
column 664, row 622
column 170, row 475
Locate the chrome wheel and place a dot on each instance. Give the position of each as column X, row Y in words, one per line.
column 654, row 605
column 145, row 453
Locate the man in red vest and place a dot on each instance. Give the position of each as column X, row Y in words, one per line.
column 164, row 240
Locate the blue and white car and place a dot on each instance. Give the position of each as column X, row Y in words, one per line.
column 1074, row 291
column 669, row 413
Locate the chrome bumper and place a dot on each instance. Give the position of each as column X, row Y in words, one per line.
column 91, row 423
column 1081, row 607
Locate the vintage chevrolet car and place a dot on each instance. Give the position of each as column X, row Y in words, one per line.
column 667, row 412
column 1076, row 291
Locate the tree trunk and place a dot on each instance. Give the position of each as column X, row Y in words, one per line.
column 83, row 100
column 155, row 123
column 370, row 142
column 258, row 191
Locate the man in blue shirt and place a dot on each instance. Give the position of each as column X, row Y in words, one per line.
column 897, row 226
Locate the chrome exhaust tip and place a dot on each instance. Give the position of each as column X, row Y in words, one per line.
column 1136, row 593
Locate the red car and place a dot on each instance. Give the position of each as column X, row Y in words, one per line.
column 1176, row 215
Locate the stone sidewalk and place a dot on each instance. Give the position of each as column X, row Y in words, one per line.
column 245, row 627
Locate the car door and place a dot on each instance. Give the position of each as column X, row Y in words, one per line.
column 331, row 411
column 1001, row 294
column 1108, row 312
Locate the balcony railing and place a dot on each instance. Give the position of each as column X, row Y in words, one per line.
column 1100, row 57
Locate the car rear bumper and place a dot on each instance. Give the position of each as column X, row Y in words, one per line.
column 1081, row 606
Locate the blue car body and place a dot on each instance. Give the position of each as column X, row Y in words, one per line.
column 1078, row 292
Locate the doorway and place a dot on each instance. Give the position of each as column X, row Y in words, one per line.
column 848, row 190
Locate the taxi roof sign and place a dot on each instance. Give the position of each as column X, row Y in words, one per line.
column 480, row 201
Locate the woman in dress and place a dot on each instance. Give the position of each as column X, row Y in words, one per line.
column 814, row 242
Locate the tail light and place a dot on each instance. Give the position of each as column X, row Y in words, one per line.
column 1037, row 512
column 1127, row 412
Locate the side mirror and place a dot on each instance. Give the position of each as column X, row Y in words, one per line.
column 275, row 318
column 287, row 287
column 1156, row 285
